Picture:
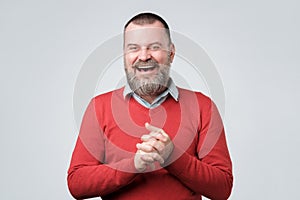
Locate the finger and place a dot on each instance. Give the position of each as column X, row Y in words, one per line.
column 151, row 157
column 145, row 147
column 146, row 138
column 152, row 166
column 154, row 135
column 147, row 158
column 159, row 136
column 164, row 133
column 147, row 162
column 158, row 158
column 152, row 128
column 151, row 145
column 156, row 144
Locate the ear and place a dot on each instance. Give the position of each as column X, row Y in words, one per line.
column 172, row 52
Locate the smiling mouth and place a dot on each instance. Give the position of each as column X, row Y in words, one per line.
column 145, row 68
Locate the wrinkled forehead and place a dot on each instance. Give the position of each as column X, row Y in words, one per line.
column 145, row 35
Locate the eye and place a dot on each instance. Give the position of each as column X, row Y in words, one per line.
column 132, row 48
column 155, row 47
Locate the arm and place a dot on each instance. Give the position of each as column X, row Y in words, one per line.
column 210, row 176
column 210, row 173
column 87, row 175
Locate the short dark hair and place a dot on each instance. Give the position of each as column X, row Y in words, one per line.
column 148, row 18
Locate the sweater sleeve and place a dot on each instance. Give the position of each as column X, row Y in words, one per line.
column 210, row 172
column 88, row 175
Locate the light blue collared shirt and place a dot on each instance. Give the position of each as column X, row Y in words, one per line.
column 172, row 90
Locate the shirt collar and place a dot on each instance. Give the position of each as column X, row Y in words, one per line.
column 172, row 90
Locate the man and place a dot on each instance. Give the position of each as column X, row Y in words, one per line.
column 150, row 139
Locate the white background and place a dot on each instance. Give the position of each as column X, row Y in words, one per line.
column 254, row 44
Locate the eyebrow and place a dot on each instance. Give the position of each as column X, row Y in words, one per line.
column 156, row 43
column 132, row 44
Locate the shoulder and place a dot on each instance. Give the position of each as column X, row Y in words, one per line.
column 187, row 94
column 101, row 103
column 108, row 95
column 104, row 100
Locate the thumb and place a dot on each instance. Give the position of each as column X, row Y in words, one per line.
column 151, row 128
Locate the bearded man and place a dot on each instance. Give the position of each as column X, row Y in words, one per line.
column 150, row 139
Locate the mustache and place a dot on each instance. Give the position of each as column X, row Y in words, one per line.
column 149, row 62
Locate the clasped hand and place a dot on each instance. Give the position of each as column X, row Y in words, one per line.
column 155, row 147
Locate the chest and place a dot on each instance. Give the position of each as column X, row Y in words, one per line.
column 123, row 132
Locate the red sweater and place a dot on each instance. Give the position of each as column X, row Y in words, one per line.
column 102, row 161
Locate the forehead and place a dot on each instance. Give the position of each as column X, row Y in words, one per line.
column 145, row 34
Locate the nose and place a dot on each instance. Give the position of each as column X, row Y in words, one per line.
column 144, row 54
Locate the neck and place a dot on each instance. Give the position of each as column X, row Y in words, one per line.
column 151, row 98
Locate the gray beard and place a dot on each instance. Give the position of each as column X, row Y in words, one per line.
column 149, row 86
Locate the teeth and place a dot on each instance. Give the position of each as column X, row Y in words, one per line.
column 145, row 67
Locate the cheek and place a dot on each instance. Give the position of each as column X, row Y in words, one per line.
column 161, row 58
column 130, row 59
